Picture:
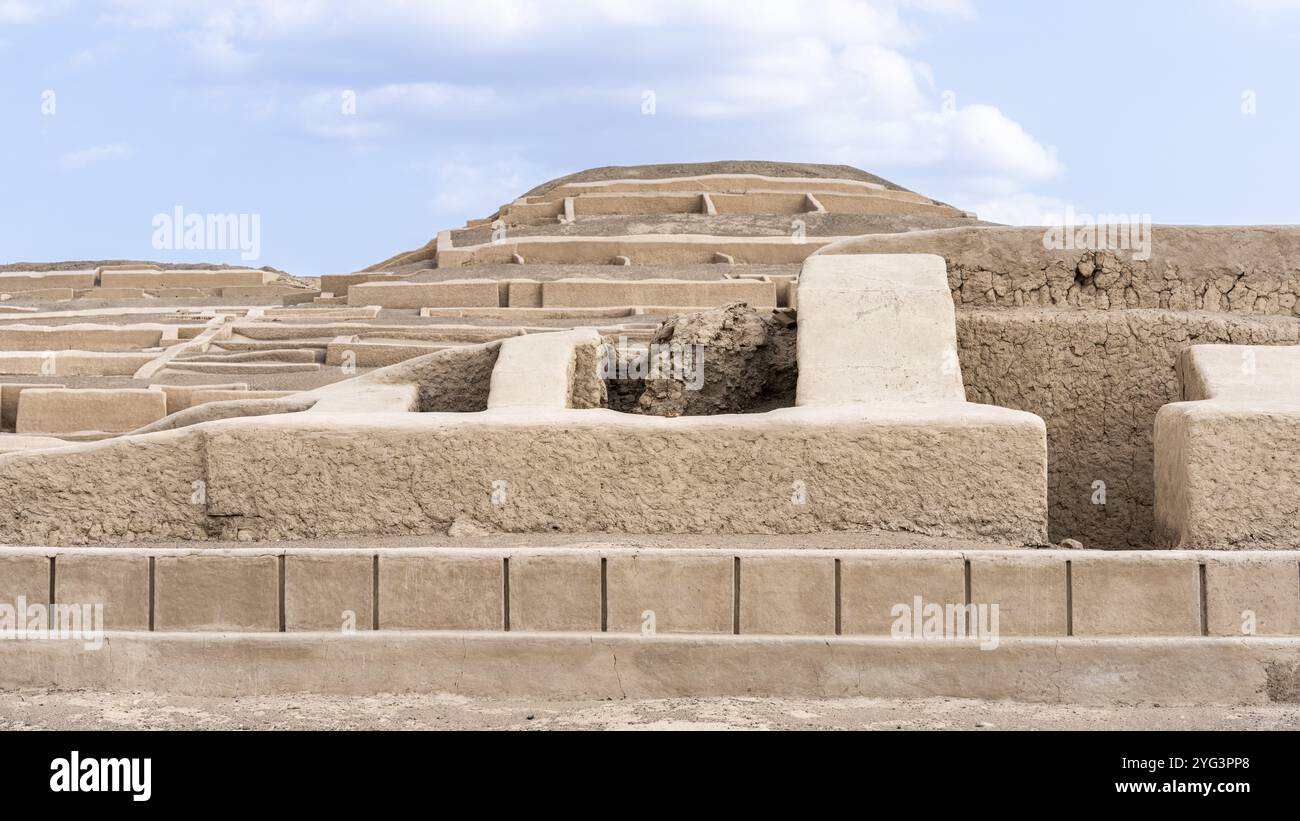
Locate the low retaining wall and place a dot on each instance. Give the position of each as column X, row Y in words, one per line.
column 949, row 469
column 598, row 293
column 15, row 282
column 73, row 363
column 78, row 337
column 180, row 397
column 612, row 666
column 448, row 293
column 178, row 278
column 203, row 397
column 376, row 353
column 1038, row 593
column 338, row 284
column 645, row 249
column 1074, row 626
column 736, row 183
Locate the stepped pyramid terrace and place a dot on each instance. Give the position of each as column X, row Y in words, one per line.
column 697, row 429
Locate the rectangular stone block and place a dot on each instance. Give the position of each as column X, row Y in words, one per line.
column 328, row 592
column 440, row 593
column 26, row 576
column 555, row 593
column 217, row 593
column 180, row 397
column 119, row 583
column 1252, row 596
column 1136, row 596
column 1030, row 592
column 679, row 594
column 538, row 370
column 876, row 327
column 524, row 293
column 9, row 393
column 788, row 596
column 872, row 587
column 111, row 410
column 445, row 294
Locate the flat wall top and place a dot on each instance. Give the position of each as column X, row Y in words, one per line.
column 1241, row 372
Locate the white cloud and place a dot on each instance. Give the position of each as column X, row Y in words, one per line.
column 469, row 186
column 983, row 136
column 20, row 11
column 364, row 114
column 94, row 154
column 1020, row 209
column 824, row 80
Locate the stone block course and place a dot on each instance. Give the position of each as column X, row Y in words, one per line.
column 328, row 592
column 217, row 593
column 441, row 593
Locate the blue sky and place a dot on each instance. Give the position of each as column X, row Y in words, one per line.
column 114, row 112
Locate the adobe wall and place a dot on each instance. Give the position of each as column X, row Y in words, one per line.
column 1226, row 472
column 944, row 469
column 79, row 337
column 1238, row 269
column 178, row 278
column 74, row 363
column 14, row 281
column 447, row 293
column 143, row 491
column 1097, row 379
column 589, row 293
column 338, row 284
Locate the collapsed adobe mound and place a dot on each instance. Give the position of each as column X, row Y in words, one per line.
column 745, row 363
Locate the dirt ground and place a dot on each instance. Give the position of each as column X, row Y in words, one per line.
column 83, row 710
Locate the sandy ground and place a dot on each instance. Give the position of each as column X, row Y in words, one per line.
column 36, row 709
